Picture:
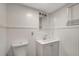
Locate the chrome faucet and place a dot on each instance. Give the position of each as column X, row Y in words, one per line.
column 45, row 37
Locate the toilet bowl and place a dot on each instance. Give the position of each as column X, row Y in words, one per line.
column 20, row 49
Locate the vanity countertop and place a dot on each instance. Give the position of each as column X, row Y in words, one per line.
column 46, row 41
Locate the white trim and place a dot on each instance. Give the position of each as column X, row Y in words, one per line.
column 17, row 27
column 21, row 28
column 3, row 26
column 67, row 27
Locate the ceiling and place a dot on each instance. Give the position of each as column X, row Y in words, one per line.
column 47, row 7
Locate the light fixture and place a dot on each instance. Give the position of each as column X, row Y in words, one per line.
column 29, row 14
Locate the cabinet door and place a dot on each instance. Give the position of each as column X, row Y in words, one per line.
column 47, row 50
column 51, row 50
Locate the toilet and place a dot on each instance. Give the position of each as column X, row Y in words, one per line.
column 20, row 49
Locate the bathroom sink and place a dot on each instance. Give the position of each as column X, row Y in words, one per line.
column 19, row 43
column 47, row 41
column 48, row 47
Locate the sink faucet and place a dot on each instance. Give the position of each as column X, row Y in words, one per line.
column 45, row 37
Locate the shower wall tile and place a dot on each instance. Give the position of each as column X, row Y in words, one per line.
column 3, row 41
column 3, row 15
column 69, row 39
column 4, row 46
column 20, row 16
column 17, row 35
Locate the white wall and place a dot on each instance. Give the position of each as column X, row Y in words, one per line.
column 56, row 19
column 20, row 16
column 48, row 25
column 75, row 12
column 22, row 21
column 60, row 18
column 3, row 30
column 68, row 36
column 69, row 41
column 3, row 17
